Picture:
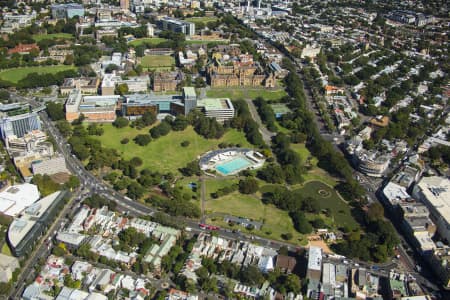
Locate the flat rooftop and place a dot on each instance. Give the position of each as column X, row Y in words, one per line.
column 437, row 192
column 215, row 103
column 315, row 258
column 21, row 226
column 189, row 92
column 17, row 197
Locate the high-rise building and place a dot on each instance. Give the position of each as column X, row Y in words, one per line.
column 19, row 125
column 176, row 25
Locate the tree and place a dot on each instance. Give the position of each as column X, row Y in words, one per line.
column 199, row 82
column 142, row 139
column 185, row 144
column 301, row 224
column 72, row 183
column 160, row 130
column 45, row 184
column 120, row 122
column 125, row 141
column 248, row 186
column 135, row 190
column 136, row 161
column 55, row 111
column 64, row 128
column 375, row 211
column 121, row 89
column 149, row 118
column 251, row 275
column 191, row 168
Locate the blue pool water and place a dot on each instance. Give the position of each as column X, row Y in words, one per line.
column 233, row 165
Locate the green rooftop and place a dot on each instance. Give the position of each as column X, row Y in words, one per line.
column 214, row 103
column 397, row 285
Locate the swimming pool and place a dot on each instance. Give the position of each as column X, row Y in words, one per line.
column 233, row 165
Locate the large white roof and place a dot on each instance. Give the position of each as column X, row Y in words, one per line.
column 315, row 258
column 16, row 198
column 437, row 192
column 21, row 226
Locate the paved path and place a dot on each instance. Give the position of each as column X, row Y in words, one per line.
column 266, row 134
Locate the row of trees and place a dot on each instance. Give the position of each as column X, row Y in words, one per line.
column 266, row 113
column 244, row 121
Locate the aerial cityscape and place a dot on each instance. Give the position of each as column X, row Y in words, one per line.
column 205, row 149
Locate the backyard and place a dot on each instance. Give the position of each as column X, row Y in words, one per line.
column 165, row 154
column 16, row 74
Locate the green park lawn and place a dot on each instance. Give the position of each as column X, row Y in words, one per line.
column 314, row 173
column 212, row 185
column 6, row 250
column 339, row 210
column 52, row 36
column 275, row 221
column 246, row 93
column 16, row 74
column 197, row 20
column 157, row 61
column 151, row 41
column 165, row 154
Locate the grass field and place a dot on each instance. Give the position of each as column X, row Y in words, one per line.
column 207, row 42
column 197, row 20
column 6, row 250
column 157, row 61
column 165, row 154
column 213, row 185
column 339, row 210
column 151, row 41
column 315, row 173
column 52, row 36
column 246, row 93
column 16, row 74
column 275, row 221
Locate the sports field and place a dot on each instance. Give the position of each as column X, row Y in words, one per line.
column 52, row 36
column 165, row 154
column 150, row 41
column 16, row 74
column 157, row 61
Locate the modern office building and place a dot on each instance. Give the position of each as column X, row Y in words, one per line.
column 67, row 10
column 176, row 25
column 19, row 125
column 16, row 198
column 137, row 104
column 26, row 230
column 219, row 108
column 94, row 108
column 434, row 192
